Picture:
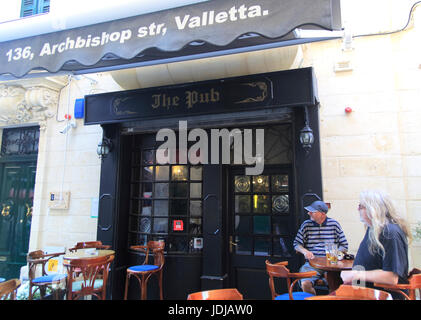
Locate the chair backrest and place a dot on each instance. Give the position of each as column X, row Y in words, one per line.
column 157, row 248
column 8, row 289
column 415, row 278
column 414, row 283
column 328, row 297
column 89, row 244
column 89, row 270
column 362, row 293
column 280, row 270
column 36, row 258
column 218, row 294
column 277, row 270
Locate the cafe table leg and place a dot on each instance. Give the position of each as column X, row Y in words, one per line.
column 333, row 280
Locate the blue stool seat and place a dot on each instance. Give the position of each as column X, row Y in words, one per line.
column 295, row 295
column 2, row 280
column 143, row 267
column 50, row 278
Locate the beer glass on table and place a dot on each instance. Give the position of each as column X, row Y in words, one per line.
column 331, row 253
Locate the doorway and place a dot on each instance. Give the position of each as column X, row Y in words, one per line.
column 260, row 217
column 18, row 164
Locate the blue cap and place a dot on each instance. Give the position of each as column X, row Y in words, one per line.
column 317, row 206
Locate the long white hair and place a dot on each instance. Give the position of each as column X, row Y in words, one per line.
column 381, row 211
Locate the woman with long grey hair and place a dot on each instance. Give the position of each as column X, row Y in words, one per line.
column 382, row 256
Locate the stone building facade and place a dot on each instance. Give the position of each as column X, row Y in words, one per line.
column 375, row 146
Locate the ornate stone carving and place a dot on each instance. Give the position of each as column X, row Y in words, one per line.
column 19, row 105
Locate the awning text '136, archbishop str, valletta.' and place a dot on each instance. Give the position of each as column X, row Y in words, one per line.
column 184, row 31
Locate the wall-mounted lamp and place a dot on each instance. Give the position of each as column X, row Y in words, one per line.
column 104, row 148
column 306, row 134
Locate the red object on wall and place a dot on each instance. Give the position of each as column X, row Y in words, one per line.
column 348, row 109
column 178, row 225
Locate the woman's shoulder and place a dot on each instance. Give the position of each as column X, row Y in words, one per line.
column 393, row 231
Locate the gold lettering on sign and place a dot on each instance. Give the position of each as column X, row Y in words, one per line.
column 164, row 100
column 194, row 97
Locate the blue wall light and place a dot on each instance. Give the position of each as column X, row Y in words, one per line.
column 79, row 108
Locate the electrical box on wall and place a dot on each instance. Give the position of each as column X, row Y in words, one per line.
column 59, row 200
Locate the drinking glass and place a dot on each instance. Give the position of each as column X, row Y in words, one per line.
column 331, row 253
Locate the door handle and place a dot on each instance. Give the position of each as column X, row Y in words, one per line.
column 28, row 210
column 231, row 243
column 5, row 211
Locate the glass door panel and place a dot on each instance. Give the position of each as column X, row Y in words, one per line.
column 166, row 201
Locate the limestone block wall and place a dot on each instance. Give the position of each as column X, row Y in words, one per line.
column 378, row 144
column 68, row 162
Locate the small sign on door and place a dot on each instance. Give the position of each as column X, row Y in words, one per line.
column 178, row 225
column 198, row 243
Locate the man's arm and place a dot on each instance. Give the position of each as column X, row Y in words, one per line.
column 299, row 244
column 307, row 254
column 342, row 242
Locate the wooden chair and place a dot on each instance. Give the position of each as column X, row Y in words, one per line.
column 279, row 270
column 144, row 271
column 37, row 259
column 348, row 292
column 218, row 294
column 328, row 297
column 90, row 279
column 89, row 244
column 8, row 289
column 414, row 283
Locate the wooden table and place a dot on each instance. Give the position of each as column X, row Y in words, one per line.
column 333, row 270
column 87, row 254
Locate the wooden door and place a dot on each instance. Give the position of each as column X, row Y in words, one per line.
column 16, row 200
column 261, row 226
column 261, row 216
column 19, row 151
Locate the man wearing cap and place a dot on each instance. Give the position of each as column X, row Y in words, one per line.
column 311, row 239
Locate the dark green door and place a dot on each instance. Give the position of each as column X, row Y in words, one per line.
column 17, row 181
column 261, row 216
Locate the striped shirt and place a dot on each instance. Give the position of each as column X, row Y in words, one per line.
column 313, row 236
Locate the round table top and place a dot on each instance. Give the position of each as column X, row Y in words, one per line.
column 87, row 254
column 323, row 264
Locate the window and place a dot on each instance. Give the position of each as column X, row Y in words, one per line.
column 20, row 141
column 166, row 203
column 32, row 7
column 262, row 214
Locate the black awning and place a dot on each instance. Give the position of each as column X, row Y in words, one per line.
column 211, row 26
